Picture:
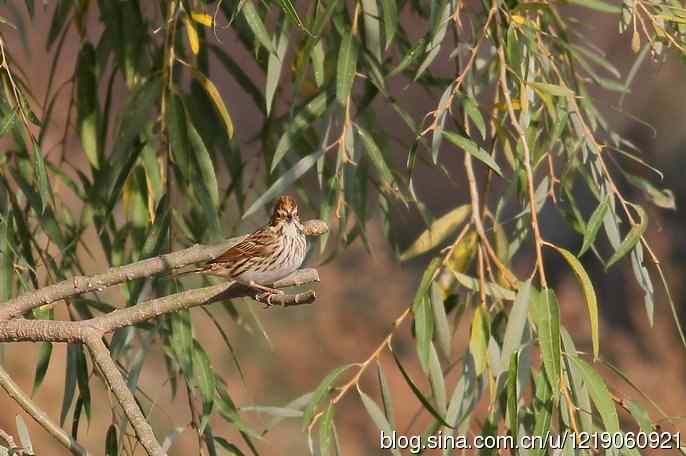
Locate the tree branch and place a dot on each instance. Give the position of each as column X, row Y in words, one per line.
column 78, row 285
column 115, row 381
column 90, row 332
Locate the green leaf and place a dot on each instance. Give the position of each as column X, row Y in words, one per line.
column 640, row 415
column 326, row 430
column 516, row 324
column 82, row 377
column 478, row 340
column 6, row 259
column 439, row 20
column 472, row 148
column 204, row 377
column 204, row 162
column 663, row 198
column 289, row 9
column 409, row 58
column 598, row 5
column 385, row 394
column 512, row 396
column 631, row 239
column 274, row 66
column 492, row 289
column 256, row 25
column 303, row 119
column 377, row 416
column 390, row 21
column 41, row 175
column 227, row 409
column 417, row 392
column 87, row 103
column 8, row 122
column 440, row 114
column 181, row 340
column 439, row 230
column 320, row 392
column 552, row 89
column 542, row 410
column 589, row 293
column 44, row 354
column 279, row 412
column 442, row 332
column 372, row 28
column 600, row 395
column 69, row 381
column 437, row 380
column 376, row 156
column 594, row 225
column 548, row 327
column 286, row 179
column 471, row 107
column 318, row 57
column 423, row 328
column 178, row 135
column 346, row 67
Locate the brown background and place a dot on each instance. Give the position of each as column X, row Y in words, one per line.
column 361, row 294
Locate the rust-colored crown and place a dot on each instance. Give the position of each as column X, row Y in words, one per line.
column 284, row 209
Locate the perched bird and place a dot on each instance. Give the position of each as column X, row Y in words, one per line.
column 268, row 254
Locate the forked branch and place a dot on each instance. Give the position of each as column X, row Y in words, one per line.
column 91, row 332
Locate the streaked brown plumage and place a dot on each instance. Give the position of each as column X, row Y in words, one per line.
column 270, row 253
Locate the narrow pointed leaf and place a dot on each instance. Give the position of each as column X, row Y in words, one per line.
column 320, row 392
column 216, row 98
column 418, row 393
column 516, row 324
column 286, row 179
column 589, row 293
column 548, row 328
column 439, row 230
column 256, row 24
column 346, row 67
column 472, row 148
column 594, row 225
column 631, row 239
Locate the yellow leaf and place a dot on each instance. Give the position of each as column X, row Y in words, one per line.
column 216, row 98
column 192, row 35
column 503, row 105
column 519, row 20
column 202, row 18
column 462, row 253
column 437, row 232
column 635, row 42
column 589, row 293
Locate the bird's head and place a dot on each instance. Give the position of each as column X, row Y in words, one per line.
column 285, row 210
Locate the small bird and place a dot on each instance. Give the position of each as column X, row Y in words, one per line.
column 268, row 254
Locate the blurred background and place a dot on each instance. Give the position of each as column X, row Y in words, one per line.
column 362, row 293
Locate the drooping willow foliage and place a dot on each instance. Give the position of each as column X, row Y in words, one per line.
column 160, row 162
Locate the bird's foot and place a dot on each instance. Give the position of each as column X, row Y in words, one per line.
column 268, row 293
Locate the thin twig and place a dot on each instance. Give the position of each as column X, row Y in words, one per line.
column 22, row 399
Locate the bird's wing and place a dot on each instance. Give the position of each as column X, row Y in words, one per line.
column 258, row 244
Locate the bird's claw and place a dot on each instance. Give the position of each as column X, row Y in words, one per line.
column 266, row 298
